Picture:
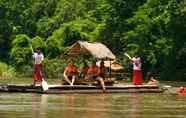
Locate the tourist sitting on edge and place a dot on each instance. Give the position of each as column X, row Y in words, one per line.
column 152, row 81
column 95, row 73
column 102, row 70
column 70, row 73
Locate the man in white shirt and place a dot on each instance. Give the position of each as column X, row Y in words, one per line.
column 38, row 59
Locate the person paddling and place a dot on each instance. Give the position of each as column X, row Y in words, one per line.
column 137, row 74
column 38, row 59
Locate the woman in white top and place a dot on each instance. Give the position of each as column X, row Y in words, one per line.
column 137, row 74
column 38, row 59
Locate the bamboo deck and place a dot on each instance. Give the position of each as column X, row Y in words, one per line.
column 85, row 89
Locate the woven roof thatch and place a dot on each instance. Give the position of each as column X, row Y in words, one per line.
column 97, row 50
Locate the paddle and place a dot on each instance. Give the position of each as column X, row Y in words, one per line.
column 44, row 85
column 31, row 48
column 128, row 55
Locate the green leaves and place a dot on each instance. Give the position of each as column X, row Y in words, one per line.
column 21, row 52
column 153, row 28
column 38, row 42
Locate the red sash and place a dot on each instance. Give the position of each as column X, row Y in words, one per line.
column 137, row 77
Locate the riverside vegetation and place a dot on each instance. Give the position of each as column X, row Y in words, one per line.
column 155, row 29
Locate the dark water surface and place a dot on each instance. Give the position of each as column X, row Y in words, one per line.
column 126, row 105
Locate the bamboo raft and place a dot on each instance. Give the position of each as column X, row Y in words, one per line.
column 85, row 89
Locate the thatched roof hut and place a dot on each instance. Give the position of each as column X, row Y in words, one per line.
column 97, row 50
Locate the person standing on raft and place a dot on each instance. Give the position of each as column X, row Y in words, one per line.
column 38, row 59
column 137, row 74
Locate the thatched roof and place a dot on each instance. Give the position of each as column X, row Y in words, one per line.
column 97, row 50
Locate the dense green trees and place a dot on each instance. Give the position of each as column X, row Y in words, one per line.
column 153, row 28
column 158, row 30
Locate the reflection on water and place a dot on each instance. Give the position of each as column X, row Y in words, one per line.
column 126, row 105
column 69, row 101
column 84, row 105
column 135, row 105
column 39, row 105
column 36, row 106
column 96, row 106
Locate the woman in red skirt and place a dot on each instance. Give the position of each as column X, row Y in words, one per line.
column 137, row 74
column 38, row 59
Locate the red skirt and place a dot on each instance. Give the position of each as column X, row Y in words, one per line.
column 37, row 72
column 137, row 77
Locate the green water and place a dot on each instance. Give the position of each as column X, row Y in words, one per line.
column 126, row 105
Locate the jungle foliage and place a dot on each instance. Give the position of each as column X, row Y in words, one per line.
column 155, row 29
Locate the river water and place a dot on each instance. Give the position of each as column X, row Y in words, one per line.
column 125, row 105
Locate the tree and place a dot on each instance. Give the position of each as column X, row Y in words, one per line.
column 153, row 30
column 21, row 52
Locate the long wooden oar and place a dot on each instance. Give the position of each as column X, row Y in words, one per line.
column 128, row 55
column 31, row 48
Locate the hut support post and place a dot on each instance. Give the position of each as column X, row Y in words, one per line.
column 110, row 70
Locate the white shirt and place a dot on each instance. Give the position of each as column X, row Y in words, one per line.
column 38, row 58
column 136, row 63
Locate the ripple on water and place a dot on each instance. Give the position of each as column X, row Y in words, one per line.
column 94, row 105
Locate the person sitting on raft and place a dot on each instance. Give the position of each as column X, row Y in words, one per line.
column 102, row 70
column 152, row 80
column 70, row 74
column 97, row 74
